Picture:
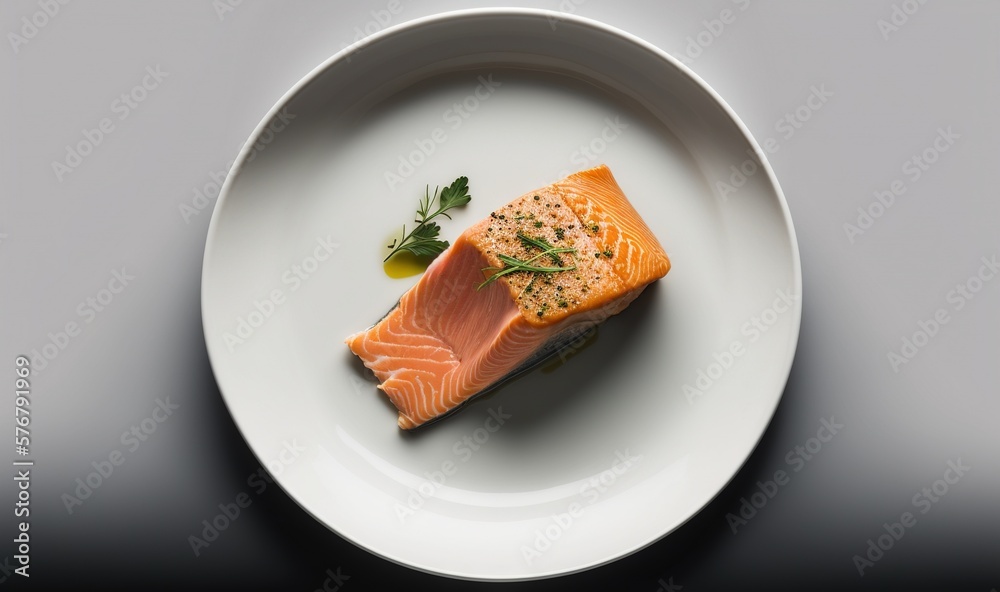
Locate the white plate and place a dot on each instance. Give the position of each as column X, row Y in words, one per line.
column 292, row 266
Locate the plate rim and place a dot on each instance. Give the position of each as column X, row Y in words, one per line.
column 458, row 15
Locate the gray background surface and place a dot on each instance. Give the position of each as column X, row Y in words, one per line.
column 64, row 236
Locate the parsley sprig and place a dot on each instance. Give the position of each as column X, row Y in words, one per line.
column 423, row 239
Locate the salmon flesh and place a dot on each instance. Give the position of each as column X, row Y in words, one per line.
column 448, row 340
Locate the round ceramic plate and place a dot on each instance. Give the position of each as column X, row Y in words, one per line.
column 580, row 462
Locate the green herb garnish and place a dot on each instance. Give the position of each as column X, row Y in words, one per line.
column 542, row 244
column 513, row 264
column 423, row 240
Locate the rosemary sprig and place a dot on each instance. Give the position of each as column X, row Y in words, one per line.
column 423, row 239
column 514, row 265
column 540, row 243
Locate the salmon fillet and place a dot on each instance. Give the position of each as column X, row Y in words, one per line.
column 447, row 341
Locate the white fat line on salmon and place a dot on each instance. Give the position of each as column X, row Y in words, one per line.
column 591, row 490
column 455, row 116
column 454, row 288
column 263, row 309
column 753, row 329
column 463, row 450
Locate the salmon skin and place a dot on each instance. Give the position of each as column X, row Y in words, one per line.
column 450, row 338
